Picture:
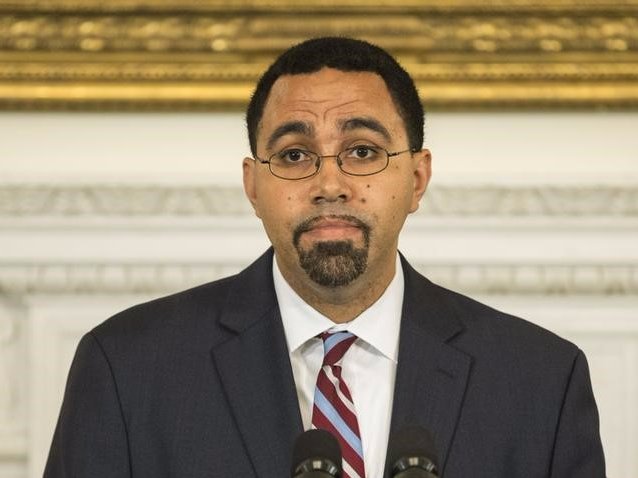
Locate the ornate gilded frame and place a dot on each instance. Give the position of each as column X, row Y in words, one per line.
column 207, row 54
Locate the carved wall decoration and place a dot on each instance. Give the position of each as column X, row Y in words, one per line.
column 207, row 54
column 7, row 390
column 449, row 208
column 161, row 278
column 59, row 201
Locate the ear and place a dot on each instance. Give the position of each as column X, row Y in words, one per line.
column 422, row 174
column 250, row 188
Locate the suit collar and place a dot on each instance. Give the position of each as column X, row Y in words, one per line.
column 254, row 367
column 432, row 374
column 426, row 306
column 251, row 295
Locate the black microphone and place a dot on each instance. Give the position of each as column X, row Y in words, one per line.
column 412, row 454
column 316, row 454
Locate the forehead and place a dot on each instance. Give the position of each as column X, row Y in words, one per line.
column 327, row 97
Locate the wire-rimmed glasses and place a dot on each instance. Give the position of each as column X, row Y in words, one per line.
column 362, row 160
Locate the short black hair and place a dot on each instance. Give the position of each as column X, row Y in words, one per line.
column 344, row 54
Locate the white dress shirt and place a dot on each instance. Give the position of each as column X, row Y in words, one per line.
column 368, row 367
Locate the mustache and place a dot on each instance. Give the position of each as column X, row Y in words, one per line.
column 309, row 223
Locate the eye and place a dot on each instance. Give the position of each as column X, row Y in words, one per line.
column 292, row 156
column 363, row 152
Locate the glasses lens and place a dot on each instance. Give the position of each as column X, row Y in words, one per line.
column 293, row 163
column 363, row 160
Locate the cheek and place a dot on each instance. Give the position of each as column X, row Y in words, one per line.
column 279, row 229
column 274, row 199
column 363, row 199
column 276, row 210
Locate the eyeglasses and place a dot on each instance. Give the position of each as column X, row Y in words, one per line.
column 361, row 160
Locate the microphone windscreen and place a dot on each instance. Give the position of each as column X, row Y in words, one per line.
column 315, row 445
column 413, row 441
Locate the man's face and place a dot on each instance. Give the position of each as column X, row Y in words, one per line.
column 332, row 228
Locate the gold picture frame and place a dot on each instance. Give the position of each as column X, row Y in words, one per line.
column 207, row 54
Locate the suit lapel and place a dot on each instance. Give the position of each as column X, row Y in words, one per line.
column 431, row 374
column 255, row 370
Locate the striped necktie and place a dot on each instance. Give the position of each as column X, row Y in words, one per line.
column 333, row 409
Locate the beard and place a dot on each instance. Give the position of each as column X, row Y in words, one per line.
column 333, row 263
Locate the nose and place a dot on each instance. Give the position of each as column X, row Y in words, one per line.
column 330, row 184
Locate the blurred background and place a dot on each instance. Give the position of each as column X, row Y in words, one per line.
column 122, row 135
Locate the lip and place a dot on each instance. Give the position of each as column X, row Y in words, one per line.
column 331, row 227
column 329, row 223
column 327, row 228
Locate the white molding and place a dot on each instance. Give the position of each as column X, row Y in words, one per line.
column 158, row 278
column 56, row 325
column 517, row 238
column 24, row 200
column 13, row 467
column 13, row 372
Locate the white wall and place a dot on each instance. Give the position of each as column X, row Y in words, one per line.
column 209, row 147
column 534, row 213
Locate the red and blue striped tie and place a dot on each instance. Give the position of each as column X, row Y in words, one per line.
column 333, row 409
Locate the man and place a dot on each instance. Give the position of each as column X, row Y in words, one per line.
column 220, row 380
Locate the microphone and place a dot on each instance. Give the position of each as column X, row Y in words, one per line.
column 412, row 454
column 316, row 454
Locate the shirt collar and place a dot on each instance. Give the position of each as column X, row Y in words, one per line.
column 378, row 325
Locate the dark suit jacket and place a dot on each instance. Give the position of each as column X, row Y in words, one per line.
column 199, row 384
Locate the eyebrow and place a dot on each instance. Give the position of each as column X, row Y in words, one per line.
column 365, row 123
column 351, row 124
column 298, row 127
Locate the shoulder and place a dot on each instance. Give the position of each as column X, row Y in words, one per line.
column 484, row 331
column 490, row 330
column 187, row 311
column 512, row 356
column 191, row 314
column 512, row 359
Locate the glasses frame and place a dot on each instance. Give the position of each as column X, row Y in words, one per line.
column 320, row 158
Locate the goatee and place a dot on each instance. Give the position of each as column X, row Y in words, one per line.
column 333, row 263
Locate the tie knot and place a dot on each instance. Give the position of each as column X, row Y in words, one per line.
column 335, row 345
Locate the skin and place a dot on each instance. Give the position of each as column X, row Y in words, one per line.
column 324, row 101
